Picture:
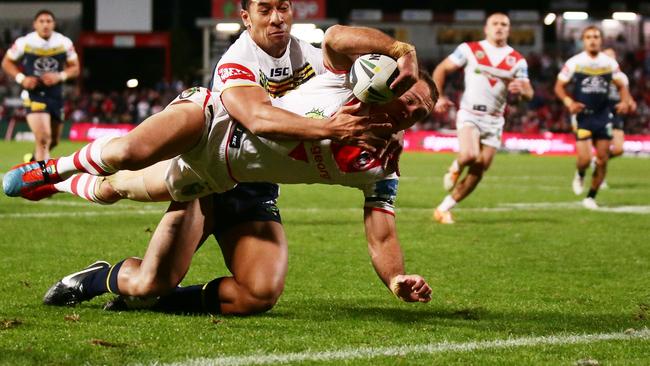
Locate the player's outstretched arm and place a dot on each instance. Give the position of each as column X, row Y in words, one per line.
column 343, row 44
column 263, row 119
column 386, row 255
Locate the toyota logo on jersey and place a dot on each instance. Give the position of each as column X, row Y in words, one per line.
column 235, row 71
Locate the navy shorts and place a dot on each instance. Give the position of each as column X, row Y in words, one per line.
column 244, row 203
column 617, row 122
column 45, row 104
column 594, row 126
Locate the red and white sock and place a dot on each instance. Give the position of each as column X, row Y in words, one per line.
column 82, row 185
column 87, row 160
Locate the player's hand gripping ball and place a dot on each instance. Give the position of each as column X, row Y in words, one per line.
column 371, row 76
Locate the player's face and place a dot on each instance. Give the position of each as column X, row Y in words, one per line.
column 44, row 25
column 497, row 28
column 269, row 23
column 592, row 41
column 413, row 106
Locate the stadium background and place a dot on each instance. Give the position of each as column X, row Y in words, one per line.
column 167, row 45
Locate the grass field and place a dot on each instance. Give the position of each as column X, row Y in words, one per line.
column 526, row 276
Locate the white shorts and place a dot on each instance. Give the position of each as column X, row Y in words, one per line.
column 183, row 183
column 490, row 127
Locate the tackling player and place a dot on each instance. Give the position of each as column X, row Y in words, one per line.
column 249, row 228
column 48, row 59
column 592, row 72
column 492, row 69
column 414, row 102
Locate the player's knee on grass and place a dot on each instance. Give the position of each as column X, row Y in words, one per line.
column 259, row 297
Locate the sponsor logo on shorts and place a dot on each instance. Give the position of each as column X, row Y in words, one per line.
column 188, row 93
column 235, row 71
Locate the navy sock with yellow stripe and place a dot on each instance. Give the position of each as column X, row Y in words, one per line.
column 101, row 282
column 192, row 299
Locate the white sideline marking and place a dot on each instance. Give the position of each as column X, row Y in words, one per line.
column 431, row 348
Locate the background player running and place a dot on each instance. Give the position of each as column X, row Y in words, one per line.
column 492, row 70
column 592, row 72
column 48, row 59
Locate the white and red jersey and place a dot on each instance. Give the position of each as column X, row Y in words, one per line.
column 229, row 154
column 246, row 64
column 488, row 70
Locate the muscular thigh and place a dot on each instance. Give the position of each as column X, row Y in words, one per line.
column 468, row 139
column 40, row 123
column 256, row 253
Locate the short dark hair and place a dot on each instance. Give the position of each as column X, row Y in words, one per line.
column 426, row 77
column 246, row 3
column 591, row 27
column 44, row 12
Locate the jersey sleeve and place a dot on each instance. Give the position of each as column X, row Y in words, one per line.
column 380, row 196
column 314, row 56
column 521, row 72
column 70, row 53
column 566, row 73
column 459, row 56
column 237, row 67
column 17, row 50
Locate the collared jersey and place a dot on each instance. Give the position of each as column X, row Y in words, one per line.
column 592, row 77
column 43, row 55
column 229, row 154
column 246, row 64
column 488, row 70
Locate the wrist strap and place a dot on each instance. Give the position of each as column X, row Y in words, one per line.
column 20, row 77
column 400, row 49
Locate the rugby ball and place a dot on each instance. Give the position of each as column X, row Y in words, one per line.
column 371, row 76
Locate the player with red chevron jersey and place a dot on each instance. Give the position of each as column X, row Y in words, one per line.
column 492, row 70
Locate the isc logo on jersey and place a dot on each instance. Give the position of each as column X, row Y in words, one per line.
column 235, row 71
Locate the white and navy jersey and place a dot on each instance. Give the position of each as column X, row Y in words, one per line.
column 614, row 95
column 43, row 55
column 488, row 70
column 229, row 154
column 246, row 64
column 592, row 78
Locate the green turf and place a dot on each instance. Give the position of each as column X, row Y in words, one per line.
column 505, row 270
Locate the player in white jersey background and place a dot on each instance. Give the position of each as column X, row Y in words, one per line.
column 592, row 73
column 492, row 70
column 167, row 248
column 48, row 59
